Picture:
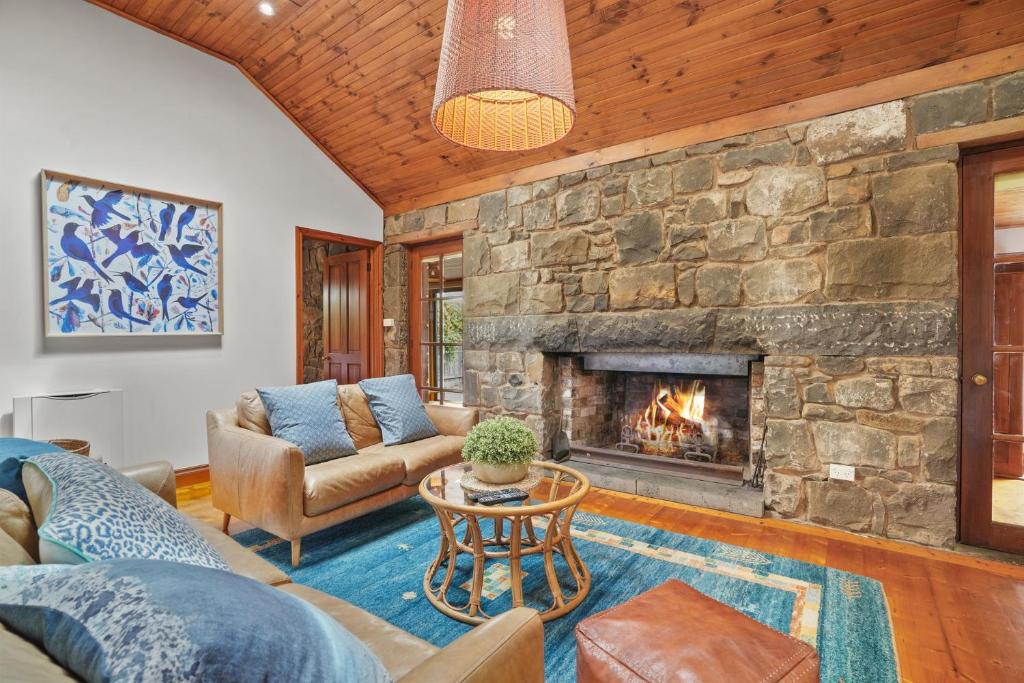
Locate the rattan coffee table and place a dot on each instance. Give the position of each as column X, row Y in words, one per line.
column 483, row 537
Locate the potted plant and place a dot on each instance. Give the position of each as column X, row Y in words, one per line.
column 500, row 449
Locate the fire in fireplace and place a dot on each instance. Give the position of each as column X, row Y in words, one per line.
column 672, row 424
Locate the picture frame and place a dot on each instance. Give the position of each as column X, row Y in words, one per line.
column 121, row 260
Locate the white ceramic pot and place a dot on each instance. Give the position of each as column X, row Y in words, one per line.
column 500, row 474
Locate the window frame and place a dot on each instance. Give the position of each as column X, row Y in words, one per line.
column 417, row 255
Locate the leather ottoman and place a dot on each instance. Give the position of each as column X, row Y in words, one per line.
column 676, row 633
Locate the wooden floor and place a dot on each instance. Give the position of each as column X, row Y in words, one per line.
column 955, row 617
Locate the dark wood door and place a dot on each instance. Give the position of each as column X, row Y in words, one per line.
column 346, row 317
column 992, row 446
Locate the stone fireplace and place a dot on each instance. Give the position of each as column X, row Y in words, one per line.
column 826, row 248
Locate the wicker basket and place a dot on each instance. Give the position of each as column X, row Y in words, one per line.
column 72, row 445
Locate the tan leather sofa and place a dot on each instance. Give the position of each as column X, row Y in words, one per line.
column 507, row 649
column 263, row 480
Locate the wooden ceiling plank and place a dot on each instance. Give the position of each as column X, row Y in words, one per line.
column 712, row 111
column 304, row 58
column 786, row 54
column 218, row 15
column 392, row 100
column 332, row 67
column 311, row 20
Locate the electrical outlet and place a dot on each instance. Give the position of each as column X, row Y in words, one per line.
column 389, row 322
column 844, row 472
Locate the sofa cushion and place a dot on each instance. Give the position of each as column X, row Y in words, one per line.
column 11, row 552
column 422, row 457
column 308, row 416
column 398, row 651
column 86, row 511
column 16, row 521
column 149, row 620
column 241, row 560
column 252, row 415
column 14, row 452
column 329, row 485
column 358, row 416
column 398, row 409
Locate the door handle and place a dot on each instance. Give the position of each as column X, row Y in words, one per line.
column 979, row 379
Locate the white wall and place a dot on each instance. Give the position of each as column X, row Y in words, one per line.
column 86, row 92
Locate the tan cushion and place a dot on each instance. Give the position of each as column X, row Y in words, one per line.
column 39, row 491
column 398, row 651
column 424, row 456
column 16, row 522
column 241, row 560
column 251, row 413
column 359, row 420
column 20, row 660
column 329, row 485
column 11, row 552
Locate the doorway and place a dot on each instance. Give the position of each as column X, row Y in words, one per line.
column 992, row 453
column 339, row 325
column 435, row 320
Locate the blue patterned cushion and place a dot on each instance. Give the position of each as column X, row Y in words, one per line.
column 13, row 452
column 97, row 513
column 148, row 620
column 397, row 407
column 308, row 416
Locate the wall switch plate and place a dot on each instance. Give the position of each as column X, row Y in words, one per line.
column 389, row 322
column 844, row 472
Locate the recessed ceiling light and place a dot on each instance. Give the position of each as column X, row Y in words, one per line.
column 266, row 9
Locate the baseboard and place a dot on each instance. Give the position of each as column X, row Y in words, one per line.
column 187, row 476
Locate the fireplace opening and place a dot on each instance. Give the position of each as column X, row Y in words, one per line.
column 687, row 415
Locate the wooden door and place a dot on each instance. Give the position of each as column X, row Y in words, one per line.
column 992, row 446
column 346, row 317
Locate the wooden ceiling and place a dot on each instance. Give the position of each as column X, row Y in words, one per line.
column 358, row 75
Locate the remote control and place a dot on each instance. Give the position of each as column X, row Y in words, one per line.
column 502, row 496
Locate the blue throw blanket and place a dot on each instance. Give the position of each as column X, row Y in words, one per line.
column 14, row 452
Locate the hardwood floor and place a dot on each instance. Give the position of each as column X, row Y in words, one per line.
column 955, row 617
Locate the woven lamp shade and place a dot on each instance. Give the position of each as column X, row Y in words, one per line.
column 504, row 82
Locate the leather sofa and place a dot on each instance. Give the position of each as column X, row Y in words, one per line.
column 263, row 480
column 507, row 649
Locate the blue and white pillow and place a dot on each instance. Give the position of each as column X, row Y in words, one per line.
column 97, row 513
column 397, row 407
column 149, row 620
column 308, row 416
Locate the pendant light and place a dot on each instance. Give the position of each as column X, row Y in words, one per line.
column 504, row 82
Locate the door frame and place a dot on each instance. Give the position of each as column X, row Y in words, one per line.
column 417, row 252
column 978, row 168
column 375, row 297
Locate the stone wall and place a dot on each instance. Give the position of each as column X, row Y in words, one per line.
column 832, row 237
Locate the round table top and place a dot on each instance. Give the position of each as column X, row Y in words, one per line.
column 443, row 489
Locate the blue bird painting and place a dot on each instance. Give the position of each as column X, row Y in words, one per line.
column 166, row 216
column 184, row 219
column 123, row 245
column 123, row 261
column 181, row 256
column 103, row 208
column 79, row 292
column 77, row 249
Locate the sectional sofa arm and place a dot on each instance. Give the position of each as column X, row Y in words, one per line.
column 506, row 649
column 157, row 476
column 255, row 477
column 452, row 420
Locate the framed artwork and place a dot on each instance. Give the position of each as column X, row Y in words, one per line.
column 126, row 261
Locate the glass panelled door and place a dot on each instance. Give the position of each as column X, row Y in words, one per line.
column 436, row 321
column 992, row 458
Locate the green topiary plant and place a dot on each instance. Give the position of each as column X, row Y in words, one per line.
column 500, row 441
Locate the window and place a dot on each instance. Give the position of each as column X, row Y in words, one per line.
column 435, row 316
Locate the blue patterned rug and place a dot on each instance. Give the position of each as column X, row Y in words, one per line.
column 377, row 562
